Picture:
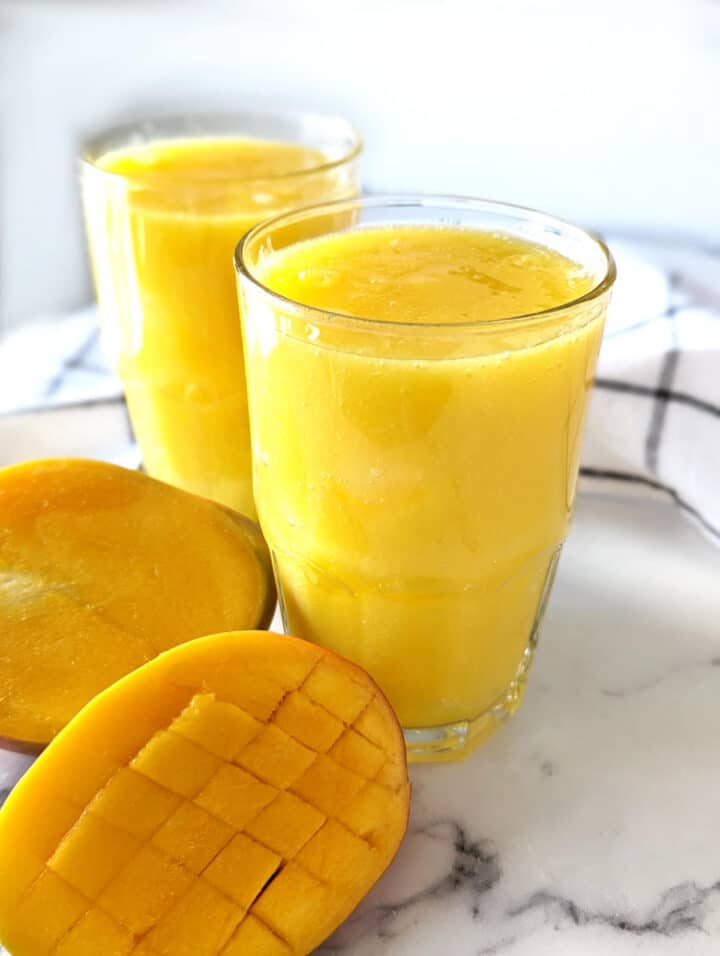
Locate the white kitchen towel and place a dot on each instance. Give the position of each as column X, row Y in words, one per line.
column 654, row 423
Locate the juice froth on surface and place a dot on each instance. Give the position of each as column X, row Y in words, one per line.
column 232, row 157
column 425, row 275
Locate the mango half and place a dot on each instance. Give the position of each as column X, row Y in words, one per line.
column 237, row 796
column 101, row 569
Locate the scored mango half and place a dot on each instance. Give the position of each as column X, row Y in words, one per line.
column 237, row 796
column 101, row 569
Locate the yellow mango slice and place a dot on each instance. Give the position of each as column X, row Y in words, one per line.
column 101, row 569
column 176, row 815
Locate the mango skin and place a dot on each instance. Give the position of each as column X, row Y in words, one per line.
column 101, row 569
column 225, row 729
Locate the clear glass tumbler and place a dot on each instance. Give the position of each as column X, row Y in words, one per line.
column 166, row 202
column 415, row 482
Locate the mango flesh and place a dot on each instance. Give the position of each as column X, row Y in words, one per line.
column 101, row 569
column 238, row 795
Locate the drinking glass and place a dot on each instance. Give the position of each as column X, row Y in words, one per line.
column 415, row 482
column 161, row 241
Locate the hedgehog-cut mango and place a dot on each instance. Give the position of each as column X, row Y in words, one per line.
column 238, row 795
column 101, row 569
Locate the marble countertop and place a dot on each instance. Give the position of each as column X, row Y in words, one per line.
column 588, row 826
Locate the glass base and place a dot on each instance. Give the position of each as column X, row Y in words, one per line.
column 449, row 742
column 456, row 740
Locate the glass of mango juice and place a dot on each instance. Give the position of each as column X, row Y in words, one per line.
column 418, row 375
column 165, row 204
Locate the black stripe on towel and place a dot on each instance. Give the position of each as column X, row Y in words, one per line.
column 659, row 412
column 74, row 361
column 630, row 478
column 670, row 395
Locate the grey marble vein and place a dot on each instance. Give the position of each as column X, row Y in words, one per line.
column 680, row 909
column 471, row 868
column 651, row 683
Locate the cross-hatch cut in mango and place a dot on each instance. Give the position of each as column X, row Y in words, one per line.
column 101, row 569
column 237, row 796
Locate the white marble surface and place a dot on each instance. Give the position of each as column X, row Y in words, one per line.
column 588, row 826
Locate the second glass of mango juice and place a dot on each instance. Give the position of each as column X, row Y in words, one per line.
column 418, row 376
column 165, row 204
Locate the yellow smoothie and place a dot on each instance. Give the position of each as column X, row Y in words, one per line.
column 415, row 477
column 163, row 220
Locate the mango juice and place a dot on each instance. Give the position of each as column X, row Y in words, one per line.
column 163, row 219
column 416, row 450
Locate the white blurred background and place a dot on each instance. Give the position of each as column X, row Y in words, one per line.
column 604, row 112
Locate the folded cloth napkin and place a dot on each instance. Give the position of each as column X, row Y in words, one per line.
column 54, row 362
column 654, row 422
column 58, row 395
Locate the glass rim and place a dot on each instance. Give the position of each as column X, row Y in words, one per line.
column 423, row 201
column 91, row 149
